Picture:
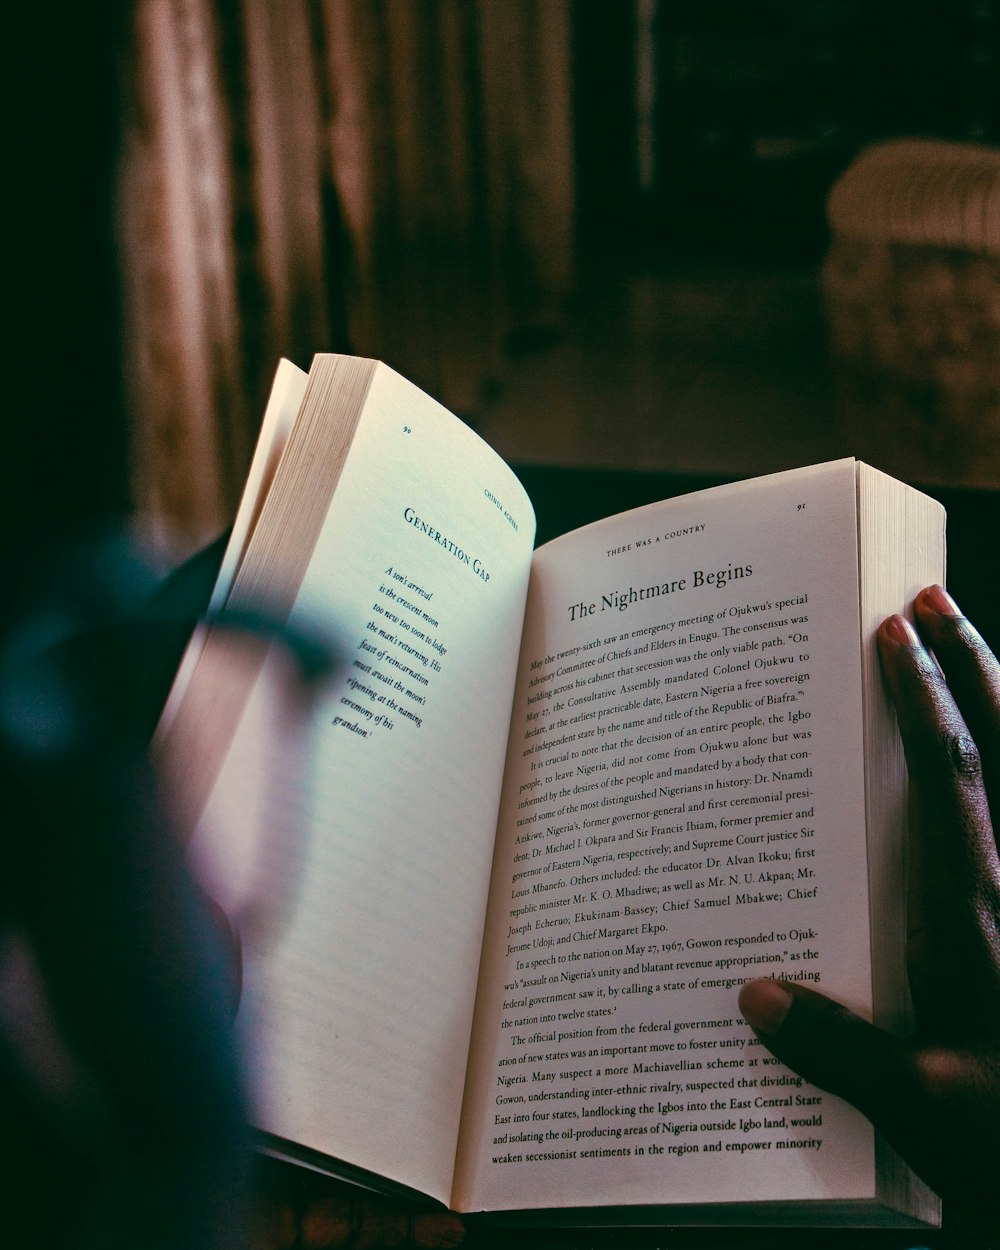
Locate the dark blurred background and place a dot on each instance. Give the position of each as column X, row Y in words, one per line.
column 641, row 245
column 677, row 240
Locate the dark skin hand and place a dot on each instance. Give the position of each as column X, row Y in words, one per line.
column 935, row 1095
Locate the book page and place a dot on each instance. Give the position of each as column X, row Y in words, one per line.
column 378, row 824
column 283, row 403
column 903, row 550
column 683, row 811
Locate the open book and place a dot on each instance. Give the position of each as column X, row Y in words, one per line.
column 500, row 882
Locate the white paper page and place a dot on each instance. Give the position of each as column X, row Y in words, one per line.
column 362, row 1003
column 684, row 810
column 284, row 401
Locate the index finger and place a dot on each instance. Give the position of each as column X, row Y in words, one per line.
column 954, row 889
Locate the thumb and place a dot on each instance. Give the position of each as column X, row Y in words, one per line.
column 827, row 1044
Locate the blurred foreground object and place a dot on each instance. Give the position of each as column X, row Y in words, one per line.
column 912, row 290
column 119, row 1076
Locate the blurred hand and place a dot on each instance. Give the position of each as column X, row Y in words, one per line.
column 935, row 1095
column 120, row 1078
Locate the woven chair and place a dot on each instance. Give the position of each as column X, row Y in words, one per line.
column 912, row 290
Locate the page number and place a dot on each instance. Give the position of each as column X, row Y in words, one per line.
column 799, row 507
column 407, row 429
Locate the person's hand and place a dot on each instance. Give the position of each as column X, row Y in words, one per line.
column 935, row 1095
column 120, row 1072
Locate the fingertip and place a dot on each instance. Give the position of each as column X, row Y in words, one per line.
column 935, row 601
column 825, row 1042
column 764, row 1005
column 896, row 631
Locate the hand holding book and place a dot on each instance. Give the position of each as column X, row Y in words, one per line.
column 935, row 1095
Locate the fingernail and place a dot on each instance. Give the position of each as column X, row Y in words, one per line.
column 764, row 1005
column 898, row 629
column 937, row 599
